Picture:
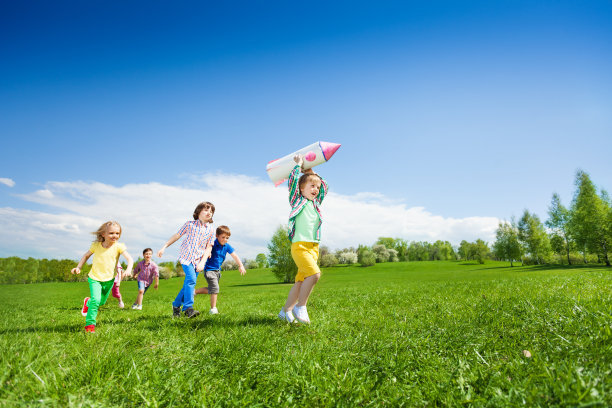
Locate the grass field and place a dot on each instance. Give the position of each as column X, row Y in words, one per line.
column 396, row 334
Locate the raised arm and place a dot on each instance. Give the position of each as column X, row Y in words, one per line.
column 84, row 259
column 294, row 191
column 171, row 241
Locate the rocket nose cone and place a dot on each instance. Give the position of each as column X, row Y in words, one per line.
column 329, row 149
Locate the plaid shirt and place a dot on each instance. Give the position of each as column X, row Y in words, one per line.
column 146, row 272
column 298, row 201
column 197, row 238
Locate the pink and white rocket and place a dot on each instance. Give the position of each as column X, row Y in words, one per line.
column 315, row 154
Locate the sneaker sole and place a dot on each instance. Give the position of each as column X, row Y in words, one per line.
column 84, row 314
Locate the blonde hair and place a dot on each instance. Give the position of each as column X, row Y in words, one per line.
column 104, row 228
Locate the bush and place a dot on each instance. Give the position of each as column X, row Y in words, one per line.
column 393, row 257
column 251, row 264
column 280, row 258
column 381, row 253
column 329, row 260
column 229, row 265
column 347, row 257
column 165, row 272
column 367, row 258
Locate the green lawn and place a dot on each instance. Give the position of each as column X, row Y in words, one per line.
column 396, row 334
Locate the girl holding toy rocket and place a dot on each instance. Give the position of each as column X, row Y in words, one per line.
column 306, row 194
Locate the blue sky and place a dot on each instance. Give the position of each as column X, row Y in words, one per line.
column 445, row 110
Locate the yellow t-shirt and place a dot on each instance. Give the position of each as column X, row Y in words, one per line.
column 104, row 260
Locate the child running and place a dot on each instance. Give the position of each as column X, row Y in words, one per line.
column 195, row 250
column 145, row 271
column 115, row 291
column 106, row 250
column 305, row 197
column 212, row 269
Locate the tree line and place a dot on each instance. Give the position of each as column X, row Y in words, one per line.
column 580, row 233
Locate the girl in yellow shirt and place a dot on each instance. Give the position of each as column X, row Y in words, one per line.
column 106, row 250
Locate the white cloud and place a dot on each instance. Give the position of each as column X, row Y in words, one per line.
column 7, row 182
column 251, row 207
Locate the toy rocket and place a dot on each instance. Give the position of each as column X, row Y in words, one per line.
column 315, row 154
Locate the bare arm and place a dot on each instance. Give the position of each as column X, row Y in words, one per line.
column 171, row 241
column 129, row 260
column 84, row 259
column 239, row 262
column 202, row 262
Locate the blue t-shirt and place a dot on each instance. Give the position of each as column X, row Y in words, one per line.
column 217, row 256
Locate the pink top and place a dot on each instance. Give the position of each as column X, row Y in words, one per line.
column 146, row 272
column 119, row 274
column 197, row 237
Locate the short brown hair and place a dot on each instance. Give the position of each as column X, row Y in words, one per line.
column 223, row 229
column 103, row 228
column 305, row 177
column 144, row 251
column 200, row 207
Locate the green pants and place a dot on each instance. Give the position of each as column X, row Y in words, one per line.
column 98, row 293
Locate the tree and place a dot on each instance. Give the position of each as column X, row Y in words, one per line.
column 589, row 223
column 261, row 260
column 558, row 221
column 366, row 257
column 507, row 245
column 280, row 258
column 533, row 236
column 481, row 251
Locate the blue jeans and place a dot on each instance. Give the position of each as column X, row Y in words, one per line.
column 185, row 296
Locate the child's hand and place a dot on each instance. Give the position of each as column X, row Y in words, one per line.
column 299, row 159
column 155, row 286
column 242, row 270
column 160, row 253
column 199, row 267
column 75, row 271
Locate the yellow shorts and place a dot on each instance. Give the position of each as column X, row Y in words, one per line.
column 305, row 255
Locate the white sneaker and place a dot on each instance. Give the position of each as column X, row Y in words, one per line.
column 121, row 305
column 301, row 314
column 286, row 316
column 213, row 311
column 134, row 306
column 139, row 307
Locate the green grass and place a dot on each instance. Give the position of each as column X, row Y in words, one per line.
column 397, row 334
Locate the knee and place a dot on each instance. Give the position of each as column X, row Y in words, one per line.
column 141, row 291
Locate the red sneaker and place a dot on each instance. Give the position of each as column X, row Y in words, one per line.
column 91, row 328
column 85, row 308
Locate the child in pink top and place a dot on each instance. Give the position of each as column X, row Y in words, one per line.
column 145, row 271
column 115, row 292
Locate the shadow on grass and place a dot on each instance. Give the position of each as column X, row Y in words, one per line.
column 548, row 267
column 261, row 284
column 152, row 323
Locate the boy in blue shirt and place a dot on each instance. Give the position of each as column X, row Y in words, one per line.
column 212, row 269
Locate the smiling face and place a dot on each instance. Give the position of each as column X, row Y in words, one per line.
column 147, row 256
column 222, row 238
column 112, row 234
column 310, row 188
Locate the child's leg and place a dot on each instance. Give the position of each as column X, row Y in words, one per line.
column 292, row 298
column 201, row 291
column 107, row 287
column 178, row 301
column 186, row 295
column 213, row 300
column 95, row 293
column 139, row 297
column 115, row 292
column 306, row 289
